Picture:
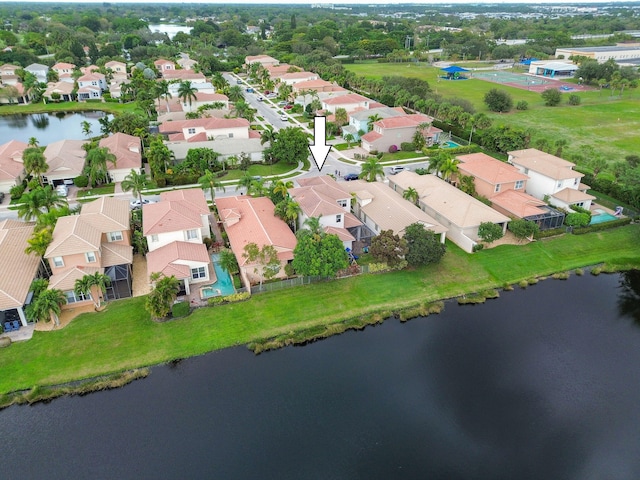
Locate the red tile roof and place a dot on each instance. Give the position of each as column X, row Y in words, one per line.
column 166, row 259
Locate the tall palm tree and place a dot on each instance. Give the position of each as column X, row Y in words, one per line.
column 38, row 244
column 162, row 92
column 268, row 135
column 96, row 164
column 411, row 194
column 50, row 218
column 50, row 199
column 245, row 181
column 235, row 93
column 86, row 128
column 34, row 162
column 91, row 283
column 186, row 92
column 33, row 142
column 313, row 224
column 33, row 203
column 448, row 168
column 211, row 182
column 291, row 213
column 282, row 187
column 219, row 82
column 136, row 182
column 371, row 120
column 48, row 305
column 228, row 260
column 372, row 169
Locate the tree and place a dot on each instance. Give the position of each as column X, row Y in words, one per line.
column 187, row 92
column 291, row 146
column 34, row 162
column 341, row 117
column 86, row 128
column 267, row 263
column 32, row 203
column 489, row 232
column 411, row 194
column 448, row 168
column 318, row 253
column 162, row 92
column 158, row 156
column 48, row 305
column 349, row 138
column 498, row 100
column 228, row 261
column 371, row 169
column 371, row 120
column 96, row 164
column 389, row 248
column 522, row 228
column 551, row 97
column 136, row 182
column 423, row 246
column 38, row 243
column 211, row 182
column 288, row 210
column 94, row 284
column 268, row 135
column 164, row 293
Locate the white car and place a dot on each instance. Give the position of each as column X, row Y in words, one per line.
column 397, row 169
column 135, row 203
column 284, row 117
column 62, row 190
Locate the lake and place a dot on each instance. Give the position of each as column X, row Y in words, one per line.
column 48, row 127
column 542, row 383
column 170, row 29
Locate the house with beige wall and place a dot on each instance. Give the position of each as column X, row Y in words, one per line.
column 128, row 152
column 11, row 166
column 202, row 129
column 397, row 130
column 65, row 159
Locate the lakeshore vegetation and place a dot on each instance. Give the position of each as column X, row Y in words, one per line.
column 123, row 337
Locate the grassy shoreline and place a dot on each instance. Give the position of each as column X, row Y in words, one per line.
column 124, row 338
column 108, row 107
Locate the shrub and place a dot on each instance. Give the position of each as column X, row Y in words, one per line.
column 422, row 171
column 522, row 105
column 393, row 149
column 498, row 100
column 577, row 219
column 180, row 309
column 551, row 97
column 574, row 99
column 81, row 181
column 407, row 146
column 17, row 191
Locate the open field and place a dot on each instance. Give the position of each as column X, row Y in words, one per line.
column 123, row 336
column 608, row 124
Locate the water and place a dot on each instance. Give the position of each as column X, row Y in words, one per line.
column 223, row 284
column 541, row 383
column 449, row 144
column 170, row 30
column 48, row 127
column 602, row 217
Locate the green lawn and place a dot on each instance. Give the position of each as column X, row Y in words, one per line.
column 608, row 124
column 123, row 337
column 109, row 107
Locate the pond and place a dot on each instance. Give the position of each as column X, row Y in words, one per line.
column 48, row 127
column 541, row 383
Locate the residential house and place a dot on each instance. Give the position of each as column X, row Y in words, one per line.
column 380, row 208
column 118, row 70
column 96, row 240
column 264, row 60
column 64, row 71
column 318, row 85
column 359, row 119
column 350, row 102
column 164, row 65
column 128, row 152
column 9, row 69
column 175, row 229
column 551, row 178
column 183, row 76
column 397, row 130
column 294, row 77
column 460, row 213
column 203, row 99
column 322, row 197
column 11, row 166
column 224, row 147
column 13, row 92
column 251, row 220
column 39, row 70
column 19, row 269
column 199, row 86
column 91, row 86
column 202, row 129
column 65, row 159
column 59, row 91
column 89, row 70
column 186, row 62
column 281, row 68
column 505, row 186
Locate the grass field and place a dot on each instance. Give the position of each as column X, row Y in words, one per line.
column 123, row 336
column 608, row 124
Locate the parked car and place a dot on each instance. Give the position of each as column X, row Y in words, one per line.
column 282, row 103
column 62, row 190
column 1, row 196
column 284, row 117
column 272, row 95
column 135, row 203
column 288, row 107
column 239, row 82
column 351, row 176
column 260, row 98
column 397, row 169
column 250, row 90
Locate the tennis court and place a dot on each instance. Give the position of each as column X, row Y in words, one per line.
column 517, row 80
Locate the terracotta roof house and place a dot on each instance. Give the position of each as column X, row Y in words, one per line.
column 318, row 85
column 460, row 213
column 295, row 77
column 164, row 65
column 350, row 102
column 185, row 62
column 551, row 177
column 396, row 130
column 359, row 119
column 18, row 270
column 322, row 197
column 380, row 208
column 127, row 149
column 96, row 240
column 89, row 69
column 202, row 99
column 64, row 71
column 201, row 129
column 63, row 89
column 11, row 166
column 280, row 68
column 251, row 220
column 175, row 228
column 65, row 159
column 8, row 69
column 118, row 69
column 183, row 76
column 264, row 60
column 91, row 86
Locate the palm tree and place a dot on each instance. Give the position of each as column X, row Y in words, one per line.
column 281, row 187
column 245, row 181
column 228, row 260
column 268, row 135
column 86, row 284
column 136, row 182
column 412, row 195
column 38, row 244
column 186, row 92
column 50, row 199
column 372, row 169
column 33, row 142
column 211, row 182
column 86, row 128
column 372, row 119
column 313, row 224
column 34, row 161
column 235, row 93
column 32, row 203
column 163, row 295
column 50, row 218
column 448, row 168
column 291, row 213
column 96, row 164
column 162, row 92
column 219, row 82
column 349, row 138
column 48, row 305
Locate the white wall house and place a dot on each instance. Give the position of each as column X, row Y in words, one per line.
column 202, row 129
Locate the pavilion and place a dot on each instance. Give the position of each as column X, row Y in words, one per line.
column 454, row 72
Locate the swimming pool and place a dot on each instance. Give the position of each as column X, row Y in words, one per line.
column 223, row 286
column 449, row 144
column 600, row 216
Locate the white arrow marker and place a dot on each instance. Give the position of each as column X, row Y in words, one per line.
column 319, row 149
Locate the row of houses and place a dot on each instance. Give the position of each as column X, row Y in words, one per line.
column 66, row 160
